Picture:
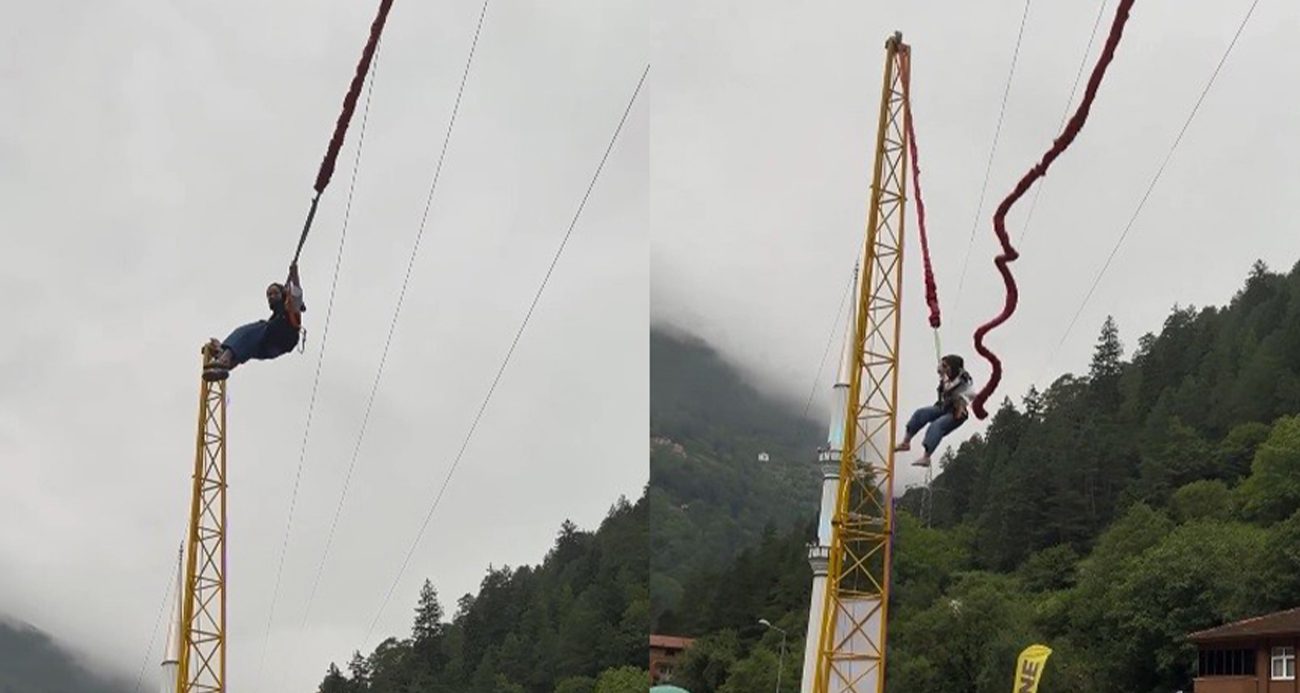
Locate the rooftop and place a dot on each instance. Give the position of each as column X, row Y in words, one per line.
column 670, row 642
column 1277, row 623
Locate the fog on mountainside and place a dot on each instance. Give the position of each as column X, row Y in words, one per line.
column 34, row 662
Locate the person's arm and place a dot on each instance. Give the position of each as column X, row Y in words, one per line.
column 961, row 397
column 294, row 285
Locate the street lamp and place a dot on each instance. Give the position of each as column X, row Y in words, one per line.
column 781, row 661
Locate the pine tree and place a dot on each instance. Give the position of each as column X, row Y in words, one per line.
column 428, row 616
column 335, row 681
column 1033, row 402
column 1106, row 360
column 464, row 606
column 360, row 670
column 1107, row 365
column 567, row 539
column 527, row 628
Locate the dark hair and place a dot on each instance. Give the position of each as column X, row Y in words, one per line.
column 954, row 363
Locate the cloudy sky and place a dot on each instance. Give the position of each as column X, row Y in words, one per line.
column 156, row 160
column 765, row 124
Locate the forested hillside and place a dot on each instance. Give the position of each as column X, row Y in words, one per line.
column 32, row 662
column 575, row 624
column 1107, row 517
column 710, row 495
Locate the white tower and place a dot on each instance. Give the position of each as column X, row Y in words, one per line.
column 829, row 458
column 172, row 646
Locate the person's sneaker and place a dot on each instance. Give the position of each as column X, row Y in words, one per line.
column 220, row 359
column 214, row 374
column 923, row 462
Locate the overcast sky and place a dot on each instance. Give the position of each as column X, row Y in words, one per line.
column 156, row 160
column 765, row 126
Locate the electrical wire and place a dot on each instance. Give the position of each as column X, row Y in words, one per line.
column 167, row 597
column 536, row 297
column 988, row 170
column 311, row 405
column 1155, row 179
column 829, row 340
column 1078, row 77
column 396, row 313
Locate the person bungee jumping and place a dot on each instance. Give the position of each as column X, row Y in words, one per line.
column 265, row 339
column 949, row 412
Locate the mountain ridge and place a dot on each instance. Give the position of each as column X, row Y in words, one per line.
column 728, row 460
column 34, row 661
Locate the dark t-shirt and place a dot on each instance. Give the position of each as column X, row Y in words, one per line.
column 280, row 336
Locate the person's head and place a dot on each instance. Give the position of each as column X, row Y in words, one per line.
column 951, row 365
column 274, row 293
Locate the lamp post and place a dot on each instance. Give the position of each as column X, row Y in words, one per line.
column 781, row 660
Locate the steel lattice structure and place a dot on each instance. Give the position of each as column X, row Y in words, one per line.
column 202, row 666
column 851, row 647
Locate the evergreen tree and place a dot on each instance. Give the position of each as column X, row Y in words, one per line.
column 428, row 616
column 1107, row 358
column 1107, row 366
column 1115, row 515
column 359, row 668
column 581, row 612
column 335, row 682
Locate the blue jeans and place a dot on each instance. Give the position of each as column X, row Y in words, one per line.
column 941, row 424
column 246, row 342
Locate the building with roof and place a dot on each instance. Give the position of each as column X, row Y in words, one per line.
column 1255, row 655
column 664, row 650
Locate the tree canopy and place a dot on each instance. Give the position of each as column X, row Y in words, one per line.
column 577, row 623
column 1107, row 516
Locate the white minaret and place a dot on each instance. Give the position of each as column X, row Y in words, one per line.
column 829, row 457
column 172, row 646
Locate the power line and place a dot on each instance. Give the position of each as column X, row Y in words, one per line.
column 1155, row 179
column 311, row 406
column 397, row 312
column 829, row 340
column 468, row 436
column 988, row 170
column 1078, row 76
column 171, row 584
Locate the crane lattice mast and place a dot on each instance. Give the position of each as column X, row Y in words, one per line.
column 202, row 665
column 851, row 642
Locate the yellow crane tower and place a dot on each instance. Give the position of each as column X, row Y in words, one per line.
column 202, row 663
column 851, row 644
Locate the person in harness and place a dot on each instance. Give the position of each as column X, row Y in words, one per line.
column 948, row 413
column 265, row 339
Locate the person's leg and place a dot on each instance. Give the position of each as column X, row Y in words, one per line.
column 242, row 344
column 919, row 419
column 935, row 434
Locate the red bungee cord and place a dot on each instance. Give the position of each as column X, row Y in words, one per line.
column 931, row 291
column 341, row 126
column 1009, row 254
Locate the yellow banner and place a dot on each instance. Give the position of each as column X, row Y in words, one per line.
column 1029, row 668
